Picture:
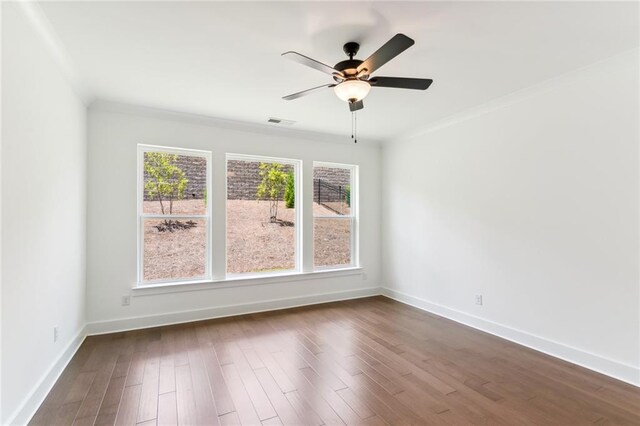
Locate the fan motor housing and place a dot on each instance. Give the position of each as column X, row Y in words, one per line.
column 348, row 67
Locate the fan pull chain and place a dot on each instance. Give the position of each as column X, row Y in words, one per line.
column 352, row 127
column 355, row 127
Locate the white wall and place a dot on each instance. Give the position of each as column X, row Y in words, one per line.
column 531, row 201
column 43, row 215
column 115, row 131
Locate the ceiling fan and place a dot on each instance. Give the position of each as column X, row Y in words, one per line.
column 353, row 79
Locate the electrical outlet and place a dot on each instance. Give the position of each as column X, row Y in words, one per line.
column 364, row 277
column 55, row 334
column 126, row 300
column 478, row 299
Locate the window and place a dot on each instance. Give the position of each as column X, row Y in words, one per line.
column 334, row 215
column 262, row 215
column 173, row 215
column 262, row 233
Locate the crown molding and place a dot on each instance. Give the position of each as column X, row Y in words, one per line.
column 517, row 96
column 236, row 125
column 45, row 30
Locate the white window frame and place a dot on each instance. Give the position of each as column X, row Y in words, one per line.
column 298, row 246
column 142, row 149
column 353, row 216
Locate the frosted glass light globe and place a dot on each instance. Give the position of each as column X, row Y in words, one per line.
column 352, row 90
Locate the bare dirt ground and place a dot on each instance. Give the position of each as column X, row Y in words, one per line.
column 332, row 242
column 253, row 243
column 256, row 245
column 174, row 255
column 179, row 207
column 334, row 208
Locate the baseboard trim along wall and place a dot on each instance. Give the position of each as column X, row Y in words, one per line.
column 134, row 323
column 624, row 372
column 34, row 399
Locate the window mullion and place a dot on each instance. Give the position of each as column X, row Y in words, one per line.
column 219, row 218
column 307, row 216
column 173, row 216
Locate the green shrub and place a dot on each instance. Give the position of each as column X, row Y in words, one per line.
column 290, row 192
column 274, row 181
column 166, row 181
column 347, row 195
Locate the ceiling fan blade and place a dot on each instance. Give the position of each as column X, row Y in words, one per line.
column 305, row 60
column 355, row 106
column 398, row 44
column 305, row 92
column 401, row 82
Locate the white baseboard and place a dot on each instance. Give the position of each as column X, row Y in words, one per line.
column 34, row 399
column 134, row 323
column 624, row 372
column 30, row 404
column 627, row 373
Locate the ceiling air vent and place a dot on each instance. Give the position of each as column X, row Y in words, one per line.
column 280, row 121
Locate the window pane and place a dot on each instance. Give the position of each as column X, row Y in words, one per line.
column 331, row 191
column 261, row 234
column 174, row 184
column 174, row 249
column 331, row 241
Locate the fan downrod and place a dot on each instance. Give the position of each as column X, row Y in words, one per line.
column 351, row 49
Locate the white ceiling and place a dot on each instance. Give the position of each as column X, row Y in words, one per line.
column 222, row 59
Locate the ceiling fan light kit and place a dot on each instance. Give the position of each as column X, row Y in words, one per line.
column 353, row 76
column 352, row 90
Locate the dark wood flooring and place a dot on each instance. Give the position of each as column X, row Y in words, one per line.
column 367, row 362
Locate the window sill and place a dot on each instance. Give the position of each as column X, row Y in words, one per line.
column 240, row 281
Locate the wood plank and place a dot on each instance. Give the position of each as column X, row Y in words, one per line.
column 80, row 387
column 206, row 412
column 286, row 413
column 149, row 394
column 368, row 361
column 55, row 400
column 136, row 369
column 167, row 373
column 185, row 398
column 303, row 409
column 281, row 378
column 122, row 365
column 219, row 388
column 128, row 409
column 229, row 419
column 356, row 404
column 109, row 407
column 274, row 421
column 333, row 399
column 167, row 409
column 66, row 413
column 241, row 400
column 260, row 401
column 308, row 392
column 95, row 395
column 84, row 421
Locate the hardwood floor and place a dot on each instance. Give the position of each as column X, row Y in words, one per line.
column 368, row 362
